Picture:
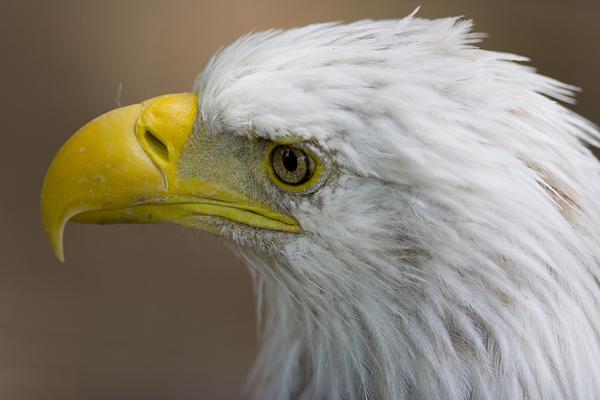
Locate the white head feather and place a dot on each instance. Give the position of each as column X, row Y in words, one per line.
column 454, row 252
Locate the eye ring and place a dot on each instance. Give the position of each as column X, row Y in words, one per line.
column 293, row 168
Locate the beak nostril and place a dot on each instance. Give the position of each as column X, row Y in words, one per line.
column 157, row 146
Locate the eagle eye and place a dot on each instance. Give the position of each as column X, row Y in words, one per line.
column 292, row 168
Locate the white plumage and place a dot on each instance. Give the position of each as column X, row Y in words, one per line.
column 453, row 252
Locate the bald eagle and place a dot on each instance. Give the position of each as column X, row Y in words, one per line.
column 420, row 215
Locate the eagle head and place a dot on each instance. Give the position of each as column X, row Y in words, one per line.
column 419, row 214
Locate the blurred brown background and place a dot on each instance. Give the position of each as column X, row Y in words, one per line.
column 120, row 319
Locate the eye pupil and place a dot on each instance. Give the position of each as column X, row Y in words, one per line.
column 289, row 160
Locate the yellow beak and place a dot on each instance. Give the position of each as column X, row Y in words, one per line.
column 122, row 167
